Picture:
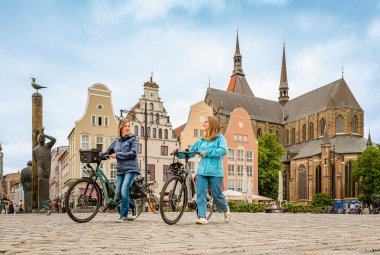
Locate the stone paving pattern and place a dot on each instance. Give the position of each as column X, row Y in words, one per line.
column 257, row 233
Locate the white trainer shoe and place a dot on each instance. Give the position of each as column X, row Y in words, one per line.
column 227, row 215
column 201, row 221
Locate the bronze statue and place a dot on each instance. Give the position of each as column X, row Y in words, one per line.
column 26, row 180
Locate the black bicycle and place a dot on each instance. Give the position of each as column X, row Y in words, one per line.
column 84, row 196
column 179, row 191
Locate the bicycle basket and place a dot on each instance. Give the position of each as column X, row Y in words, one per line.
column 176, row 168
column 89, row 156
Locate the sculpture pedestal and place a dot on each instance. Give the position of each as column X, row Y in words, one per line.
column 43, row 193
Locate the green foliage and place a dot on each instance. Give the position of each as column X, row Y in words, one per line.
column 321, row 201
column 295, row 208
column 246, row 207
column 269, row 156
column 366, row 171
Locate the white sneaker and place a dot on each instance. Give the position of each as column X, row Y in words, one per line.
column 201, row 221
column 121, row 220
column 227, row 215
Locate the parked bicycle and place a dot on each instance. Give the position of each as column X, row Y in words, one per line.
column 179, row 191
column 84, row 197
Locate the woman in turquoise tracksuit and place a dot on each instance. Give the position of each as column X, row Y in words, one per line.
column 212, row 148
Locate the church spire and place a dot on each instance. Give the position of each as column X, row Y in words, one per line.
column 284, row 88
column 238, row 68
column 369, row 140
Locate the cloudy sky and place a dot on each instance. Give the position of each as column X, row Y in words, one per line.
column 70, row 45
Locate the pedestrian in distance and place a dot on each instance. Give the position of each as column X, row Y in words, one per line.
column 11, row 209
column 125, row 149
column 212, row 148
column 20, row 206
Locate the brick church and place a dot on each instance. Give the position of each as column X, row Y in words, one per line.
column 322, row 131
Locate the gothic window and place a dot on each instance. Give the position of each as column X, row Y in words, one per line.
column 322, row 125
column 259, row 132
column 304, row 133
column 318, row 180
column 349, row 184
column 154, row 133
column 151, row 106
column 287, row 137
column 160, row 133
column 293, row 135
column 277, row 135
column 355, row 124
column 339, row 124
column 311, row 130
column 302, row 189
column 166, row 134
column 136, row 130
column 151, row 117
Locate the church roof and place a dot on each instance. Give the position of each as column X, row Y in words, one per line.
column 334, row 95
column 257, row 108
column 344, row 144
column 238, row 84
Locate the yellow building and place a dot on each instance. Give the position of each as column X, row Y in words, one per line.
column 97, row 128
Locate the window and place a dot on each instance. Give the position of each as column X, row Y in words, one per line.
column 259, row 132
column 140, row 148
column 165, row 172
column 249, row 156
column 311, row 130
column 240, row 185
column 202, row 119
column 246, row 139
column 151, row 117
column 142, row 131
column 93, row 120
column 240, row 138
column 355, row 124
column 293, row 135
column 201, row 133
column 151, row 106
column 106, row 121
column 240, row 170
column 304, row 133
column 151, row 172
column 85, row 142
column 349, row 184
column 157, row 118
column 154, row 133
column 195, row 132
column 322, row 125
column 100, row 121
column 192, row 167
column 240, row 155
column 148, row 131
column 166, row 134
column 231, row 184
column 277, row 135
column 302, row 191
column 112, row 170
column 231, row 170
column 287, row 137
column 136, row 130
column 164, row 150
column 318, row 180
column 235, row 138
column 249, row 170
column 100, row 106
column 271, row 131
column 231, row 154
column 339, row 124
column 99, row 143
column 160, row 133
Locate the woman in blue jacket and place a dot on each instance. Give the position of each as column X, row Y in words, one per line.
column 125, row 150
column 212, row 148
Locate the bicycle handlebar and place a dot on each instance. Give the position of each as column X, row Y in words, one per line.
column 185, row 152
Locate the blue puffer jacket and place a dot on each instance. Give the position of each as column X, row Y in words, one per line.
column 212, row 164
column 126, row 149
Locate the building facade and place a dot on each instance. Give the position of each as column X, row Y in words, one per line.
column 97, row 128
column 55, row 182
column 8, row 183
column 309, row 166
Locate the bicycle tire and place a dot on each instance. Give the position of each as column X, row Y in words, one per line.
column 169, row 199
column 73, row 201
column 139, row 202
column 210, row 206
column 153, row 203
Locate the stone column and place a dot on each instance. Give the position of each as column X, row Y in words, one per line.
column 36, row 130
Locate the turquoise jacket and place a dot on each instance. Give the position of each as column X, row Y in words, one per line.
column 212, row 164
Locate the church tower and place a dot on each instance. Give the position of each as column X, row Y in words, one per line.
column 284, row 88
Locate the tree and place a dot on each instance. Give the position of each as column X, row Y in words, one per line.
column 366, row 172
column 270, row 152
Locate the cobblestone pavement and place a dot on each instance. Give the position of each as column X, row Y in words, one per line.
column 258, row 233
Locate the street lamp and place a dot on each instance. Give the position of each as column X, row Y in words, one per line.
column 333, row 160
column 145, row 113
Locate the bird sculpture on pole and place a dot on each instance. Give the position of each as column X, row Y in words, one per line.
column 35, row 85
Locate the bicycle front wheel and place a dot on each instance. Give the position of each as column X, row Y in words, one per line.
column 154, row 203
column 173, row 200
column 82, row 200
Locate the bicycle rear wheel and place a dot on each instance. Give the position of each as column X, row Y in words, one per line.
column 173, row 200
column 135, row 213
column 153, row 202
column 82, row 200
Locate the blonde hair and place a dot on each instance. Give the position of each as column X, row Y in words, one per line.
column 213, row 129
column 121, row 125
